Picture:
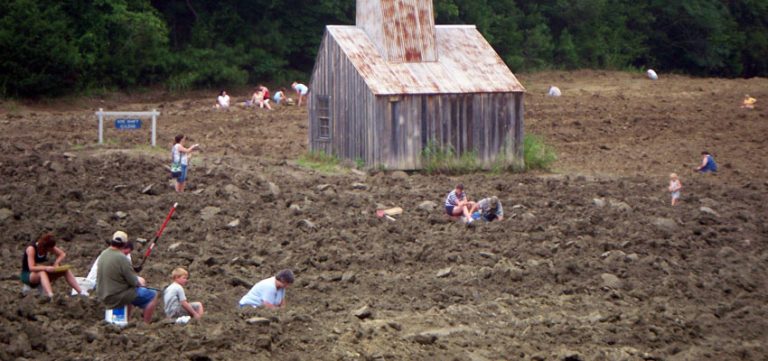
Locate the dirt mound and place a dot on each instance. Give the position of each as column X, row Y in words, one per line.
column 590, row 264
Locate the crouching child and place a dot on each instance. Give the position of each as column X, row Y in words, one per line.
column 176, row 304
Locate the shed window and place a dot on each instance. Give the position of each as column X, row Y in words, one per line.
column 323, row 117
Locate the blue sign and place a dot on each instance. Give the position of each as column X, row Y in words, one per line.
column 128, row 124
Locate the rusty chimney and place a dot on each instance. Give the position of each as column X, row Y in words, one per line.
column 402, row 30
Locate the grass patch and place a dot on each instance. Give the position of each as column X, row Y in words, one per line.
column 319, row 161
column 443, row 160
column 149, row 149
column 537, row 154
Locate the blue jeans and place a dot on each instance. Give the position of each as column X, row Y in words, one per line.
column 183, row 177
column 143, row 297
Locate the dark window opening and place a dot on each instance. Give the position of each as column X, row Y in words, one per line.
column 323, row 118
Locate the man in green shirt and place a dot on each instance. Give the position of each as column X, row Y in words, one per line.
column 118, row 285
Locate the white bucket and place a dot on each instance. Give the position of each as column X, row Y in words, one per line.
column 117, row 316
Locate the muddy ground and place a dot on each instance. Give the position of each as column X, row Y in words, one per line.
column 591, row 263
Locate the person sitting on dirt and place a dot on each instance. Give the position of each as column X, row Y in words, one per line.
column 674, row 188
column 554, row 91
column 222, row 102
column 265, row 90
column 456, row 204
column 707, row 163
column 651, row 74
column 749, row 102
column 181, row 155
column 259, row 98
column 88, row 283
column 175, row 299
column 301, row 91
column 488, row 209
column 270, row 292
column 119, row 285
column 34, row 273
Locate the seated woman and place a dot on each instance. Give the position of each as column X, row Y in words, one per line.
column 222, row 101
column 34, row 273
column 258, row 99
column 456, row 204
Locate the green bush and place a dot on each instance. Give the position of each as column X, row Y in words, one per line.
column 537, row 154
column 319, row 161
column 436, row 159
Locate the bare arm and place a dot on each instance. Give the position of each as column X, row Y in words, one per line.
column 188, row 150
column 703, row 163
column 33, row 267
column 60, row 255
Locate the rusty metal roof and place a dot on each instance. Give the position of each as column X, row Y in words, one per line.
column 466, row 63
column 407, row 34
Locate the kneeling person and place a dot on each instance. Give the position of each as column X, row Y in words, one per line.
column 175, row 299
column 490, row 209
column 118, row 285
column 269, row 292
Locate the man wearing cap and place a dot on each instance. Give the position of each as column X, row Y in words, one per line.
column 490, row 209
column 118, row 285
column 88, row 283
column 269, row 292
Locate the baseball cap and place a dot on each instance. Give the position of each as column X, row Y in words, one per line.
column 120, row 237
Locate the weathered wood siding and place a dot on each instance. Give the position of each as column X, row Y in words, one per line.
column 489, row 124
column 351, row 106
column 393, row 130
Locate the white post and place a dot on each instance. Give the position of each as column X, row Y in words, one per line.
column 154, row 126
column 101, row 125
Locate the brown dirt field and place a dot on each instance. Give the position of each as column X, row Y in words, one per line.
column 591, row 263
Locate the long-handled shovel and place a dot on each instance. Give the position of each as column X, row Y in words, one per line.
column 154, row 240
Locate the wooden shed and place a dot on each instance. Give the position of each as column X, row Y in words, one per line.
column 384, row 89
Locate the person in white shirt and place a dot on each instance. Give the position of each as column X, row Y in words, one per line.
column 301, row 91
column 222, row 102
column 180, row 161
column 270, row 292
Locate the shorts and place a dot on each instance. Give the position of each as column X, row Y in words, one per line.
column 143, row 297
column 183, row 175
column 676, row 195
column 24, row 276
column 180, row 312
column 449, row 210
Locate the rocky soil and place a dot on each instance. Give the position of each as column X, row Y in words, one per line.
column 591, row 262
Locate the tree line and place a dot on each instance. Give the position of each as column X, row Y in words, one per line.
column 52, row 47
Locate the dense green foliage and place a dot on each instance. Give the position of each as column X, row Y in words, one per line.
column 52, row 47
column 537, row 153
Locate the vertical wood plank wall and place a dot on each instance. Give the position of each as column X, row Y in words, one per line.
column 364, row 127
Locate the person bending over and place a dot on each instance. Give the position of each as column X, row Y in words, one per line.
column 270, row 292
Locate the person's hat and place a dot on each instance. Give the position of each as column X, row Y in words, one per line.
column 120, row 237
